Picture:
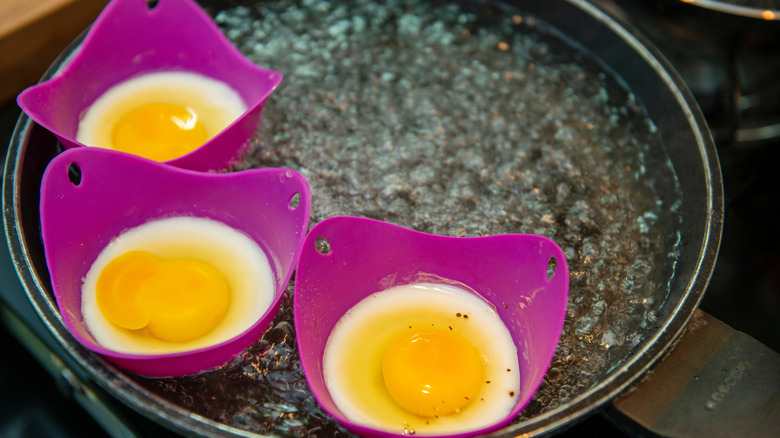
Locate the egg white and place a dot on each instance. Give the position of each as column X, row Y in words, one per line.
column 352, row 361
column 215, row 102
column 236, row 255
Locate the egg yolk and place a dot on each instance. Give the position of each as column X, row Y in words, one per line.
column 159, row 131
column 432, row 372
column 176, row 299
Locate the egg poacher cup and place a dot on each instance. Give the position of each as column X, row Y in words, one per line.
column 90, row 196
column 130, row 38
column 345, row 259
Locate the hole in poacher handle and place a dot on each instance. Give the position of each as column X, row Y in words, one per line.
column 74, row 174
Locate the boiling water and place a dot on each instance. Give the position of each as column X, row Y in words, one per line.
column 453, row 121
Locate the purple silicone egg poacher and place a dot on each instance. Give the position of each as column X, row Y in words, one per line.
column 131, row 38
column 90, row 196
column 346, row 259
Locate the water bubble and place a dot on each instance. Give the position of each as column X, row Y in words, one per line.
column 652, row 316
column 608, row 339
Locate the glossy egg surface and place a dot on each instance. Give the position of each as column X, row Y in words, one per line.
column 160, row 115
column 427, row 359
column 176, row 284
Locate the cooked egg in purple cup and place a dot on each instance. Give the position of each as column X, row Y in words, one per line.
column 159, row 81
column 402, row 332
column 166, row 271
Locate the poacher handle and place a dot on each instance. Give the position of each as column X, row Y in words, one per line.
column 716, row 382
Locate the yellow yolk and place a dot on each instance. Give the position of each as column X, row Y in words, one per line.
column 432, row 372
column 405, row 359
column 176, row 299
column 160, row 115
column 159, row 131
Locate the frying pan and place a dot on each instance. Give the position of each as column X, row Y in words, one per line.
column 622, row 51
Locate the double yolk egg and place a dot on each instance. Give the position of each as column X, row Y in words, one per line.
column 176, row 284
column 160, row 116
column 424, row 358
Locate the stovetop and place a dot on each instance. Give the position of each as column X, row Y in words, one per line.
column 731, row 65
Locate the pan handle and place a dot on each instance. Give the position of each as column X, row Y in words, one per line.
column 716, row 382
